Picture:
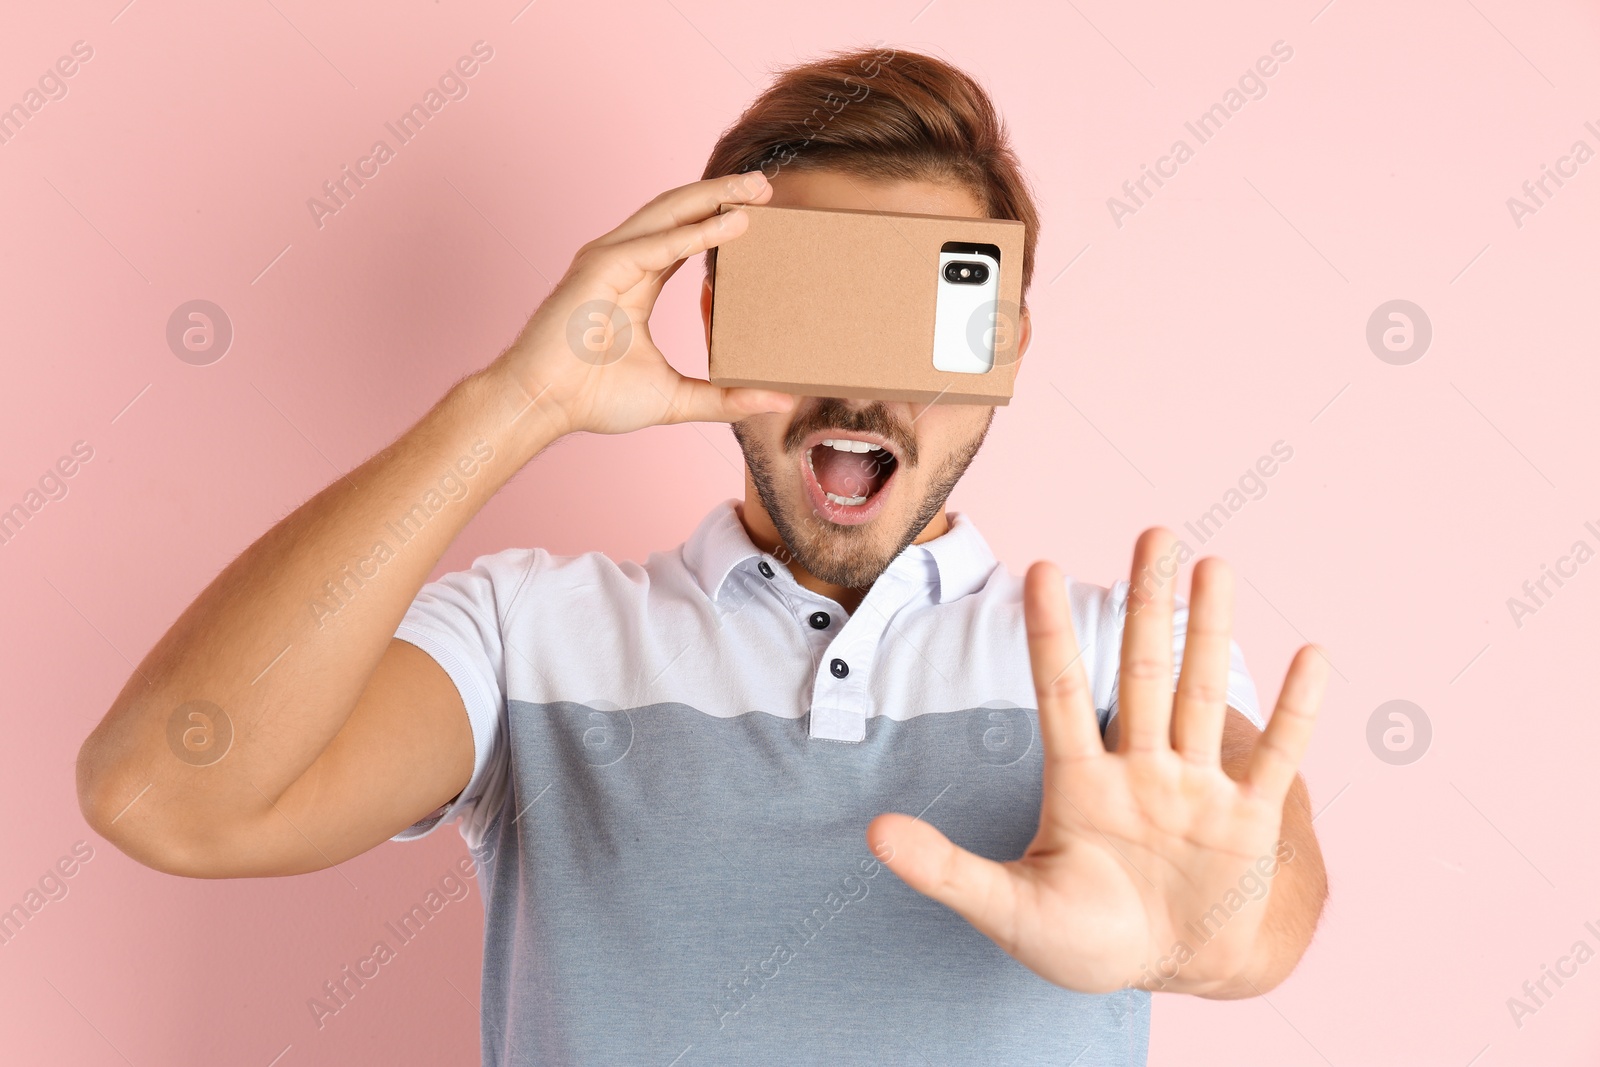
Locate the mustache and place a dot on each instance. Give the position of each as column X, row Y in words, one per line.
column 831, row 413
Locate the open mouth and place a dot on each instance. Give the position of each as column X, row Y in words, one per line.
column 847, row 476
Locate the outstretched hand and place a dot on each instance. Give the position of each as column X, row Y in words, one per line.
column 1137, row 847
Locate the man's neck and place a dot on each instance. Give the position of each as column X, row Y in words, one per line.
column 764, row 534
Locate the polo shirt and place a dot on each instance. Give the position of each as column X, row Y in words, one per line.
column 675, row 764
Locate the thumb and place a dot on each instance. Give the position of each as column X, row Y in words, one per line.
column 700, row 401
column 980, row 890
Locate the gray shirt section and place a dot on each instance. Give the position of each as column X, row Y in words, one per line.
column 663, row 886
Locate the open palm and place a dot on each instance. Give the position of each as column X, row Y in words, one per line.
column 1151, row 845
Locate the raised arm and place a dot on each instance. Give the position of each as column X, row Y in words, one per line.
column 278, row 727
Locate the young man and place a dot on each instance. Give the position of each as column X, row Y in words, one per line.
column 674, row 775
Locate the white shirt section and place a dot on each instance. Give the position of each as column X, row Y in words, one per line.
column 720, row 626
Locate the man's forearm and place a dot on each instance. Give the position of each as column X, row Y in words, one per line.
column 290, row 631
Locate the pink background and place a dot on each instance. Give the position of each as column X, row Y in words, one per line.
column 1226, row 314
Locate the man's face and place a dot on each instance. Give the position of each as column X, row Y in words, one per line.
column 849, row 483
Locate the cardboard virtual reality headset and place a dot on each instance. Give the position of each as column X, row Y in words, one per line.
column 869, row 305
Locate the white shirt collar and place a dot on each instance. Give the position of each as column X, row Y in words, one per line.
column 961, row 560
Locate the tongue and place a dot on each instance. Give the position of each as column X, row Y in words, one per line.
column 846, row 474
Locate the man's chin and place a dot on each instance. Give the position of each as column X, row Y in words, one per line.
column 853, row 555
column 848, row 555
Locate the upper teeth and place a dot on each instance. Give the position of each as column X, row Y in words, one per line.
column 853, row 446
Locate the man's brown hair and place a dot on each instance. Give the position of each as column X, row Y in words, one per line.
column 883, row 114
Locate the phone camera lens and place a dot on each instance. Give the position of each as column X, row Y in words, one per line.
column 966, row 272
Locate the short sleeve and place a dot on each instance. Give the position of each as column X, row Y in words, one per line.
column 459, row 620
column 1111, row 614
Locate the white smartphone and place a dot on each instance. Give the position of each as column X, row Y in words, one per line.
column 964, row 312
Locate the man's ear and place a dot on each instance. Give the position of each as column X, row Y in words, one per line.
column 1027, row 335
column 705, row 309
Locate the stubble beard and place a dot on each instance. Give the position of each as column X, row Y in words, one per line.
column 849, row 556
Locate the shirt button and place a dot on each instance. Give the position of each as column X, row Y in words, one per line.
column 819, row 620
column 839, row 668
column 765, row 568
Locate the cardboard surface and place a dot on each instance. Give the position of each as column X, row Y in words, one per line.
column 841, row 303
